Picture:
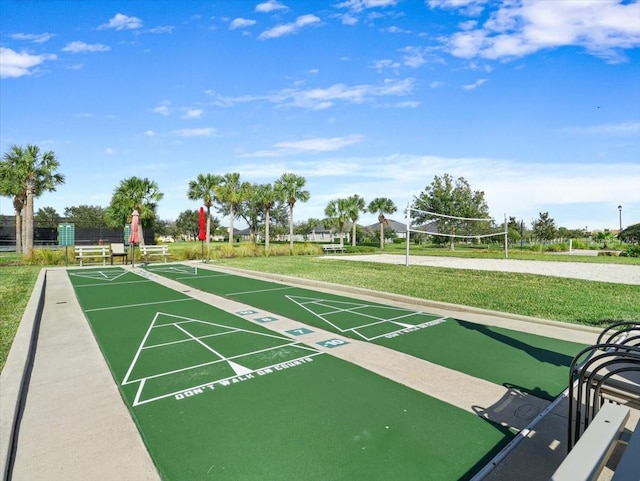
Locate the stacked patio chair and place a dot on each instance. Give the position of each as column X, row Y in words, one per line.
column 608, row 371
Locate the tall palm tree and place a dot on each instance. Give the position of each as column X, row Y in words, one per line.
column 267, row 197
column 291, row 188
column 132, row 194
column 382, row 206
column 203, row 188
column 230, row 193
column 26, row 173
column 337, row 212
column 355, row 205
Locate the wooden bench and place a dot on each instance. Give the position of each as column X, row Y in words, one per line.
column 92, row 252
column 590, row 454
column 152, row 251
column 329, row 248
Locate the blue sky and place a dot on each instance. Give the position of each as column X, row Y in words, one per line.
column 536, row 103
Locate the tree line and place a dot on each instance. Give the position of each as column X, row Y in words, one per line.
column 26, row 173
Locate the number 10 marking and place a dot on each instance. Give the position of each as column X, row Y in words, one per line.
column 331, row 343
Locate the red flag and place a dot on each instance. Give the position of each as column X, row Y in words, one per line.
column 202, row 235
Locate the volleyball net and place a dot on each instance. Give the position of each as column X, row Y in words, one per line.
column 442, row 228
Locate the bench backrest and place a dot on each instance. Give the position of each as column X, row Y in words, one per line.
column 91, row 250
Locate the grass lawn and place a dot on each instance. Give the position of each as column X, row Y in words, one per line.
column 16, row 284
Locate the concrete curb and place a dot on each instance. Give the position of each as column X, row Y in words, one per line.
column 16, row 373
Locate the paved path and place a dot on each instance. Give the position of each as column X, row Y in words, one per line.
column 617, row 273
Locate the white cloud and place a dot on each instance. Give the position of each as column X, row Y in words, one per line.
column 81, row 47
column 319, row 99
column 193, row 114
column 360, row 5
column 33, row 37
column 109, row 151
column 149, row 133
column 162, row 29
column 394, row 29
column 380, row 65
column 348, row 19
column 270, row 6
column 241, row 23
column 202, row 132
column 623, row 129
column 413, row 56
column 475, row 84
column 289, row 28
column 17, row 64
column 314, row 146
column 122, row 22
column 162, row 109
column 603, row 28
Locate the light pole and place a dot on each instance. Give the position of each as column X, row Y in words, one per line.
column 620, row 213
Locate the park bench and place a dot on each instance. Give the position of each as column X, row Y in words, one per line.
column 153, row 251
column 332, row 248
column 589, row 455
column 83, row 253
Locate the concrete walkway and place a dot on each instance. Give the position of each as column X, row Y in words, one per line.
column 75, row 426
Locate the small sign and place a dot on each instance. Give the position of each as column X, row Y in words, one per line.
column 246, row 313
column 266, row 319
column 331, row 343
column 127, row 233
column 299, row 332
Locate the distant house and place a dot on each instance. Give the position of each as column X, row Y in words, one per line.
column 399, row 227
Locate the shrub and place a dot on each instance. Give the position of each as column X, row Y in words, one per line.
column 399, row 240
column 578, row 244
column 226, row 251
column 48, row 257
column 631, row 251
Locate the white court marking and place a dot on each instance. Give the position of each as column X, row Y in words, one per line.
column 176, row 322
column 330, row 307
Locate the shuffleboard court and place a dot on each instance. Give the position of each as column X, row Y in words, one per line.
column 216, row 396
column 531, row 363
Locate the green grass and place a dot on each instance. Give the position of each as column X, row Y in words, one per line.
column 16, row 284
column 560, row 299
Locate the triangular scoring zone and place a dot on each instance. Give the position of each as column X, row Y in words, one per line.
column 321, row 308
column 162, row 319
column 106, row 275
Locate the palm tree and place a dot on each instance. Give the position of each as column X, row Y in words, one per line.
column 267, row 197
column 382, row 206
column 132, row 194
column 291, row 188
column 230, row 193
column 355, row 204
column 26, row 173
column 204, row 188
column 337, row 212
